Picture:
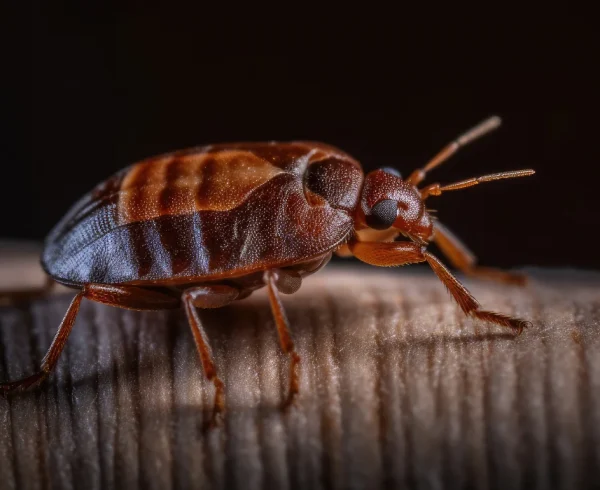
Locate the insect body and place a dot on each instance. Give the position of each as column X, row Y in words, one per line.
column 201, row 228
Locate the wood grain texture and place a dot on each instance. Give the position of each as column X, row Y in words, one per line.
column 398, row 390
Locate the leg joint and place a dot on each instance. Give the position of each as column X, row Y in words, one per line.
column 210, row 296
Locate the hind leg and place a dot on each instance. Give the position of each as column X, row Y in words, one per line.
column 129, row 297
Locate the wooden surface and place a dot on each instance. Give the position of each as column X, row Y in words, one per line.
column 398, row 390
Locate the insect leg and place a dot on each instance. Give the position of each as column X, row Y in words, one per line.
column 49, row 360
column 208, row 297
column 129, row 297
column 467, row 302
column 272, row 279
column 401, row 253
column 388, row 254
column 463, row 259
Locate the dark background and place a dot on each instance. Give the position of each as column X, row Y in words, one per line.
column 92, row 88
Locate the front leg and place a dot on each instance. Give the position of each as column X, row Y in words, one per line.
column 402, row 253
column 387, row 254
column 463, row 259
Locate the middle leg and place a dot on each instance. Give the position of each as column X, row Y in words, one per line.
column 214, row 296
column 287, row 283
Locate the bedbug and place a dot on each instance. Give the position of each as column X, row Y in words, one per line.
column 203, row 227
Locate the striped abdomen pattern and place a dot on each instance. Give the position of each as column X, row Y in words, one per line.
column 200, row 214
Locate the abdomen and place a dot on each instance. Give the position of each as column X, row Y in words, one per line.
column 198, row 215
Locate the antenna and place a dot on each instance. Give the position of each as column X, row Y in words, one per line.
column 437, row 189
column 472, row 134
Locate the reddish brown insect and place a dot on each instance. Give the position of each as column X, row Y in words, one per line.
column 207, row 226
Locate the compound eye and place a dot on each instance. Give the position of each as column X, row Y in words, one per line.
column 383, row 214
column 391, row 170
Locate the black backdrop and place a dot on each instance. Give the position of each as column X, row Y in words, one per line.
column 91, row 88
